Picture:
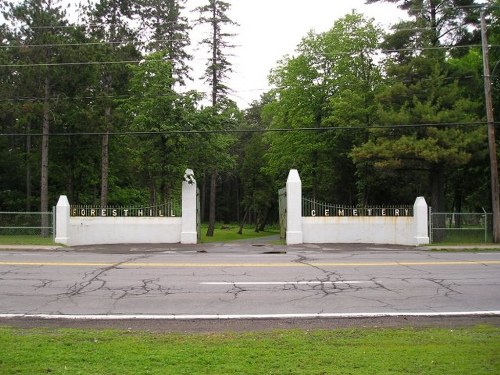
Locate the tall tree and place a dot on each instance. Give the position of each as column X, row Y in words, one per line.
column 331, row 82
column 164, row 28
column 40, row 26
column 155, row 107
column 422, row 90
column 110, row 23
column 214, row 14
column 433, row 22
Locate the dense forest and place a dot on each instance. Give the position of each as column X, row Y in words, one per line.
column 98, row 109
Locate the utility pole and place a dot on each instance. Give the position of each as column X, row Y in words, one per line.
column 495, row 191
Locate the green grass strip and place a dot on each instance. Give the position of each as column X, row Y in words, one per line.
column 343, row 351
column 25, row 240
column 229, row 233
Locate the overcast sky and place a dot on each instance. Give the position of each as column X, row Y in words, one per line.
column 270, row 29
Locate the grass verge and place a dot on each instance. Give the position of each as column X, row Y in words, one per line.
column 26, row 240
column 229, row 233
column 343, row 351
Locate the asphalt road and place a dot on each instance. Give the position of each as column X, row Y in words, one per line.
column 251, row 280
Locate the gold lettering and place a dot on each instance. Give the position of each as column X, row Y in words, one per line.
column 172, row 213
column 396, row 212
column 327, row 212
column 406, row 212
column 313, row 213
column 92, row 212
column 341, row 212
column 115, row 214
column 103, row 212
column 160, row 214
column 140, row 213
column 384, row 212
column 82, row 212
column 354, row 212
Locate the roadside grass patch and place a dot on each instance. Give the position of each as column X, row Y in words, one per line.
column 342, row 351
column 229, row 233
column 26, row 240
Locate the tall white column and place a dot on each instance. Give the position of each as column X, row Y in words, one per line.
column 294, row 209
column 421, row 220
column 62, row 220
column 188, row 231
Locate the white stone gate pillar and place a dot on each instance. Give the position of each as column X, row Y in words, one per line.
column 62, row 220
column 188, row 231
column 421, row 219
column 294, row 209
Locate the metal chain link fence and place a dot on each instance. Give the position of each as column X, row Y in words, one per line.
column 27, row 223
column 460, row 227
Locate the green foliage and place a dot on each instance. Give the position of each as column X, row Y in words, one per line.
column 154, row 107
column 335, row 80
column 331, row 82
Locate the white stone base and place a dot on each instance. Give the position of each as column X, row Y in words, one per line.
column 294, row 238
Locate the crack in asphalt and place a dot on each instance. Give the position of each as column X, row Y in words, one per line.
column 82, row 287
column 43, row 283
column 329, row 284
column 444, row 285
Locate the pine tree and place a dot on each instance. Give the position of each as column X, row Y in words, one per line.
column 164, row 28
column 214, row 14
column 109, row 22
column 40, row 26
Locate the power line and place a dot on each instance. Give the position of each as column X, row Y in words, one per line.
column 144, row 60
column 78, row 63
column 90, row 43
column 79, row 25
column 236, row 131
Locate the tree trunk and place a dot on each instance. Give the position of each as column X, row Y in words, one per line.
column 203, row 197
column 28, row 169
column 242, row 224
column 438, row 202
column 438, row 195
column 105, row 160
column 263, row 221
column 215, row 43
column 211, row 214
column 44, row 180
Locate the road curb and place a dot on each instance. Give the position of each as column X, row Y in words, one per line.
column 251, row 316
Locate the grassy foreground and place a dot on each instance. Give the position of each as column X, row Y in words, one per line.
column 343, row 351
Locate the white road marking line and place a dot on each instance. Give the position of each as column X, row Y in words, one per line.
column 281, row 282
column 251, row 316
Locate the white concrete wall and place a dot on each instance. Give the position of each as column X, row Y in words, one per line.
column 113, row 230
column 377, row 230
column 399, row 230
column 73, row 231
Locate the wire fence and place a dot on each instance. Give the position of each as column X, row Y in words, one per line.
column 27, row 223
column 313, row 207
column 460, row 227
